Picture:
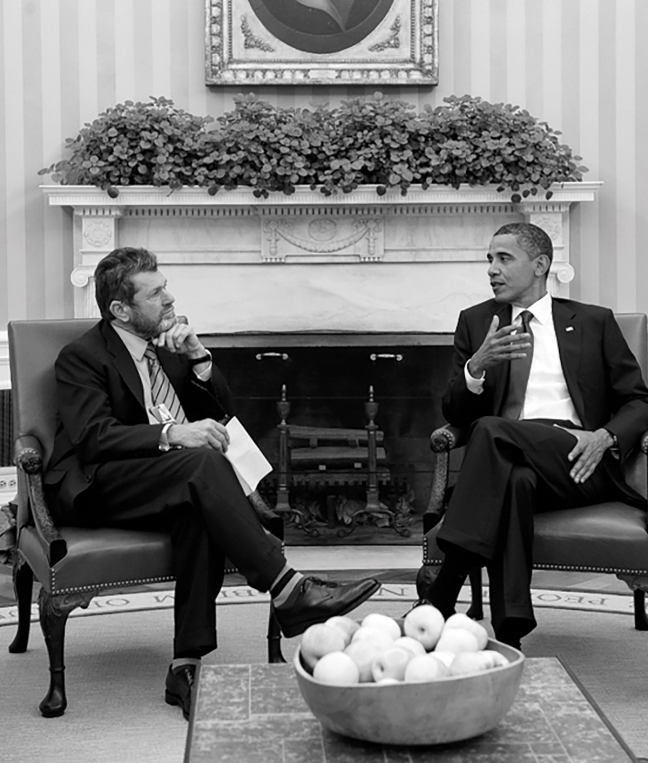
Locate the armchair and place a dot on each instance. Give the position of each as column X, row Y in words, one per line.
column 72, row 564
column 609, row 537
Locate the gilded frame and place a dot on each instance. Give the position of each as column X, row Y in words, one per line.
column 396, row 43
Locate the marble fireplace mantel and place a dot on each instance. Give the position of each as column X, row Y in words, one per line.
column 306, row 262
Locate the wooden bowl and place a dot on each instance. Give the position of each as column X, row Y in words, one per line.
column 437, row 712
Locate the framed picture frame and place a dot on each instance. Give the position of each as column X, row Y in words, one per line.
column 321, row 42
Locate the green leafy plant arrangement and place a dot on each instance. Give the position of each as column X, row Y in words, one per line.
column 375, row 140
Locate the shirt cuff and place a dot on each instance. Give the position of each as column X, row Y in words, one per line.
column 476, row 386
column 204, row 375
column 163, row 442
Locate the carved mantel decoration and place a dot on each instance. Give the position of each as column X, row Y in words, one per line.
column 321, row 42
column 306, row 262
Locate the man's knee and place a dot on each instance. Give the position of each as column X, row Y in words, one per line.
column 489, row 428
column 199, row 464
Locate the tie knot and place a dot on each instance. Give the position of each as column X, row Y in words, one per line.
column 526, row 316
column 150, row 354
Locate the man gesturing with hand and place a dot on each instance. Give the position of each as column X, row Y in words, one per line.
column 554, row 401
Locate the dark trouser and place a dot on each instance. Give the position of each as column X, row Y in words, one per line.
column 195, row 493
column 512, row 469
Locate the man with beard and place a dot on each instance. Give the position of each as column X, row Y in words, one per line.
column 555, row 402
column 140, row 443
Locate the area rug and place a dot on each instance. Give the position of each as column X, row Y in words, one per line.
column 116, row 667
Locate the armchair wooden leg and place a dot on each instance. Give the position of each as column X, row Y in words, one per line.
column 274, row 639
column 424, row 579
column 476, row 609
column 640, row 618
column 23, row 579
column 54, row 612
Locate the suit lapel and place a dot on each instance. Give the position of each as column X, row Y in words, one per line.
column 123, row 362
column 569, row 337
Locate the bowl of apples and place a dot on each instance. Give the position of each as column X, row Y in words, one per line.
column 421, row 680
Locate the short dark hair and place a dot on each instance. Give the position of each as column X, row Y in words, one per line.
column 530, row 237
column 113, row 276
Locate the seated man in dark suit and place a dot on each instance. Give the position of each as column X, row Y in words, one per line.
column 118, row 461
column 555, row 400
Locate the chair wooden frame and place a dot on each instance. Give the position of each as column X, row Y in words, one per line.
column 604, row 538
column 72, row 564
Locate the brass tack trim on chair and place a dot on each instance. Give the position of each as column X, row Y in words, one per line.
column 97, row 586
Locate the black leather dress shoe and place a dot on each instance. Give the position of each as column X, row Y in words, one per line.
column 179, row 687
column 314, row 601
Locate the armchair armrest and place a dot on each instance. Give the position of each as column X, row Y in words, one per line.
column 447, row 438
column 28, row 455
column 442, row 441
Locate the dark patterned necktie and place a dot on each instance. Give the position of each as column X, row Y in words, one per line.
column 519, row 375
column 162, row 391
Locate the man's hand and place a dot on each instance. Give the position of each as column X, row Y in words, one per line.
column 180, row 338
column 588, row 451
column 499, row 345
column 206, row 433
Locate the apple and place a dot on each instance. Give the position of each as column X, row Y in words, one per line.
column 391, row 663
column 387, row 681
column 336, row 668
column 410, row 643
column 445, row 657
column 318, row 640
column 498, row 660
column 470, row 662
column 376, row 620
column 460, row 620
column 457, row 640
column 346, row 624
column 378, row 636
column 425, row 667
column 363, row 653
column 424, row 623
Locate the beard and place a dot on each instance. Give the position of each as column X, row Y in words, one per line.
column 149, row 328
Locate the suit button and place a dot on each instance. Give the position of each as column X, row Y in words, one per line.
column 88, row 477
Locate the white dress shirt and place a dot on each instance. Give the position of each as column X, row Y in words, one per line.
column 137, row 347
column 547, row 396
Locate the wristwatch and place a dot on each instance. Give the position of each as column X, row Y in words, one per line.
column 202, row 359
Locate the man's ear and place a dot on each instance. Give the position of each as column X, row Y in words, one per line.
column 120, row 311
column 542, row 265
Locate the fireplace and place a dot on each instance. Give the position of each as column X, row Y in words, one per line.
column 327, row 380
column 327, row 296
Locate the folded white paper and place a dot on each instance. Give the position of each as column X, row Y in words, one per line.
column 249, row 463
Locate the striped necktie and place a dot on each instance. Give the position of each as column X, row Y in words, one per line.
column 519, row 375
column 161, row 390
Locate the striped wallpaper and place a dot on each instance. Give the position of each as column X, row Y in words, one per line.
column 581, row 65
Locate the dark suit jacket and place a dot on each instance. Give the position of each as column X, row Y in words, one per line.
column 602, row 374
column 101, row 408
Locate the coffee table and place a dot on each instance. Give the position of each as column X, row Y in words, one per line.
column 256, row 714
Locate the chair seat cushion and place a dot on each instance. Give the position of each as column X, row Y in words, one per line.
column 100, row 558
column 607, row 537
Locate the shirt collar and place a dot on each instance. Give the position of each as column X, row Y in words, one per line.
column 541, row 310
column 134, row 344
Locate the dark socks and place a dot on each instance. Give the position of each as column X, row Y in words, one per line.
column 444, row 591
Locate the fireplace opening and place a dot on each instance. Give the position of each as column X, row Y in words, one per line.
column 323, row 398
